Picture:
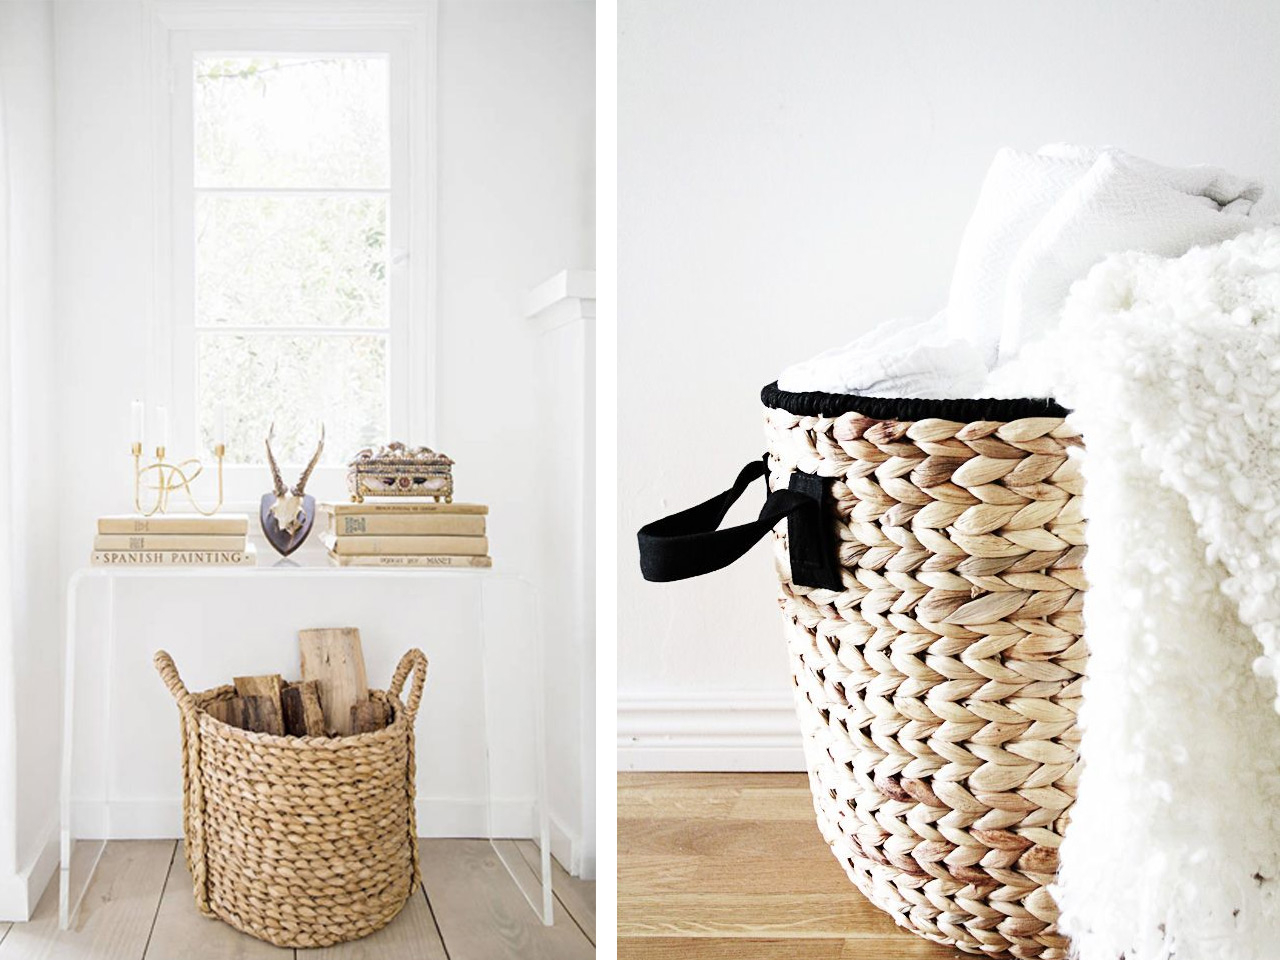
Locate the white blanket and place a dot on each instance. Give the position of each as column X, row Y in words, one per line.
column 1120, row 202
column 1041, row 221
column 1173, row 370
column 900, row 358
column 1019, row 190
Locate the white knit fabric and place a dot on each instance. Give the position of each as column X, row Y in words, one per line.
column 900, row 358
column 1019, row 189
column 1120, row 203
column 1172, row 368
column 1041, row 221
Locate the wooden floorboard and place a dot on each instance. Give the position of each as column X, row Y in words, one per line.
column 140, row 906
column 481, row 913
column 832, row 915
column 412, row 934
column 115, row 917
column 703, row 796
column 682, row 948
column 716, row 866
column 576, row 897
column 722, row 839
column 181, row 932
column 659, row 874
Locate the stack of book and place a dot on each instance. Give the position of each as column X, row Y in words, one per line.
column 175, row 539
column 406, row 534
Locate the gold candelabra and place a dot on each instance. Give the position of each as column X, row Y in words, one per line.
column 170, row 477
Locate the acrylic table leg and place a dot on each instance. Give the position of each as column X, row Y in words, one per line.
column 534, row 884
column 71, row 890
column 68, row 720
column 540, row 762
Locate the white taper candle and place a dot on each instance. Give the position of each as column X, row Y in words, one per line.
column 138, row 412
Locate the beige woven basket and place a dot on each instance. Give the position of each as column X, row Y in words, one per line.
column 930, row 563
column 300, row 841
column 938, row 689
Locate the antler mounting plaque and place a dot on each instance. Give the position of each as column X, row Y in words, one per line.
column 288, row 515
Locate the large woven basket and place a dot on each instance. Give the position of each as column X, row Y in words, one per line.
column 938, row 661
column 300, row 841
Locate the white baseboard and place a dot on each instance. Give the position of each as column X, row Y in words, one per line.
column 437, row 817
column 722, row 731
column 570, row 852
column 21, row 891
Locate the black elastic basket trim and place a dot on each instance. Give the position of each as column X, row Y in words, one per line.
column 908, row 409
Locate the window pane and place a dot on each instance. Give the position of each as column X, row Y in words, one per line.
column 291, row 261
column 297, row 381
column 305, row 121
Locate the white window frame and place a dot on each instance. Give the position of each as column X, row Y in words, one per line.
column 404, row 33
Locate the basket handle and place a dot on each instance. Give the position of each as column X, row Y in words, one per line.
column 689, row 543
column 168, row 671
column 414, row 661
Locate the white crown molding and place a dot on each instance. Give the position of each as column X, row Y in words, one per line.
column 709, row 732
column 568, row 296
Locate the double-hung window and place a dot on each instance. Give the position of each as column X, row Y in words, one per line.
column 299, row 253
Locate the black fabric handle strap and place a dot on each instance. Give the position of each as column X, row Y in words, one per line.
column 689, row 543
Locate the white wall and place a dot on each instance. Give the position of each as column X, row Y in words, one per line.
column 563, row 312
column 516, row 206
column 29, row 651
column 791, row 174
column 515, row 98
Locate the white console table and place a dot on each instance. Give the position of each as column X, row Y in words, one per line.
column 480, row 744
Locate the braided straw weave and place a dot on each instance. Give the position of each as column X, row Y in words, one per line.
column 300, row 841
column 938, row 690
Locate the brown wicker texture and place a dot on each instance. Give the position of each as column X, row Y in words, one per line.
column 938, row 690
column 300, row 841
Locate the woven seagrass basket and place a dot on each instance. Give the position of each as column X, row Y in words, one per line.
column 300, row 841
column 936, row 644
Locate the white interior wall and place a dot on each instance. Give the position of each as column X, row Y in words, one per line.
column 791, row 174
column 563, row 311
column 516, row 201
column 515, row 99
column 30, row 718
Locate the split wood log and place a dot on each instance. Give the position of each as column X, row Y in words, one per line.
column 333, row 658
column 261, row 715
column 303, row 716
column 368, row 716
column 228, row 711
column 268, row 685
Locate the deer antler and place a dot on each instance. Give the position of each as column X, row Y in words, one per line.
column 306, row 474
column 276, row 479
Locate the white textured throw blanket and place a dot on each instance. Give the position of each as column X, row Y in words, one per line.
column 1172, row 367
column 1041, row 221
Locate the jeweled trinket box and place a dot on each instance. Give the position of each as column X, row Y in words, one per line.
column 397, row 470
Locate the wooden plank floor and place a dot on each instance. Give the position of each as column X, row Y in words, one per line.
column 714, row 866
column 482, row 914
column 578, row 897
column 139, row 906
